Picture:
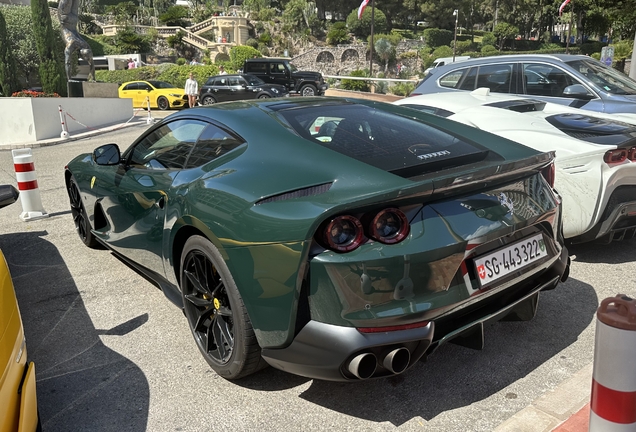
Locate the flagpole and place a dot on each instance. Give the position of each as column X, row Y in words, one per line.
column 371, row 47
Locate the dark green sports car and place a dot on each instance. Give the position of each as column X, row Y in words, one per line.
column 337, row 239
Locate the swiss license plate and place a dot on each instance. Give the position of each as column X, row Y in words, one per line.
column 504, row 261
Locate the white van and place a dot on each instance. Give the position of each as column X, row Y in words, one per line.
column 444, row 61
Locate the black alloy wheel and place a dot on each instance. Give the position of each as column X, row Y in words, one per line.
column 82, row 225
column 215, row 312
column 162, row 103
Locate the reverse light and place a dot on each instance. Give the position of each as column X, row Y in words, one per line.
column 615, row 156
column 549, row 173
column 389, row 226
column 343, row 233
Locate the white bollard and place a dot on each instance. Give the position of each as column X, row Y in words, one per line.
column 149, row 120
column 30, row 199
column 64, row 133
column 613, row 402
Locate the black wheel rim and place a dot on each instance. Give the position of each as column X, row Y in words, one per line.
column 162, row 103
column 208, row 101
column 308, row 91
column 77, row 211
column 208, row 307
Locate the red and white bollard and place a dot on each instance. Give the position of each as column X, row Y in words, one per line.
column 64, row 133
column 613, row 405
column 30, row 199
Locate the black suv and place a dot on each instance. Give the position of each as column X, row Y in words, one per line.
column 223, row 88
column 280, row 71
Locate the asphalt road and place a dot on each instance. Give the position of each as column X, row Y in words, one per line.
column 112, row 354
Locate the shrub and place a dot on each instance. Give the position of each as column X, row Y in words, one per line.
column 362, row 27
column 409, row 55
column 181, row 61
column 437, row 37
column 252, row 43
column 356, row 85
column 465, row 46
column 239, row 54
column 402, row 89
column 338, row 34
column 489, row 50
column 489, row 39
column 34, row 94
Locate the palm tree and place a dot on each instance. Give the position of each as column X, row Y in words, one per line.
column 385, row 51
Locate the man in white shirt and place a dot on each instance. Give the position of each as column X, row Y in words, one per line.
column 222, row 70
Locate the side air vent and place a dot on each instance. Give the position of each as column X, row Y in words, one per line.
column 299, row 193
column 520, row 106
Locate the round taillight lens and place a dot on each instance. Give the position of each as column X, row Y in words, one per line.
column 344, row 234
column 389, row 226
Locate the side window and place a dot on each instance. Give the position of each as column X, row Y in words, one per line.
column 469, row 80
column 496, row 77
column 221, row 82
column 277, row 68
column 235, row 81
column 546, row 80
column 257, row 67
column 452, row 79
column 167, row 147
column 132, row 86
column 212, row 143
column 209, row 82
column 144, row 86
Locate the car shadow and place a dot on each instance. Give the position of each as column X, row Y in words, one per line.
column 455, row 376
column 594, row 252
column 80, row 381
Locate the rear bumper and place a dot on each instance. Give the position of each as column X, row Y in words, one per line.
column 327, row 351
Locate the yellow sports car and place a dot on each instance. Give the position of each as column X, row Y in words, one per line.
column 18, row 401
column 160, row 94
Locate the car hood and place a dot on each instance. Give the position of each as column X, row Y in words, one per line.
column 307, row 75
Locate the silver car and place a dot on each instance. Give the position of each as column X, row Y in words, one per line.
column 574, row 80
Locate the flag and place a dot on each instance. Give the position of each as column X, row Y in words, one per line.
column 364, row 5
column 563, row 5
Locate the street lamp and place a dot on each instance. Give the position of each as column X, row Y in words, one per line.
column 456, row 15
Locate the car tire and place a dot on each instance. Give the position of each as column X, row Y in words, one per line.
column 264, row 96
column 208, row 100
column 80, row 218
column 215, row 312
column 162, row 103
column 308, row 90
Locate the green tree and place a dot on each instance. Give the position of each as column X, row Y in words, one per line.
column 362, row 27
column 52, row 74
column 386, row 51
column 21, row 42
column 338, row 34
column 504, row 31
column 8, row 74
column 175, row 16
column 128, row 41
column 239, row 54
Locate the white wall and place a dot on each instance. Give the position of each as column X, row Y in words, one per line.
column 27, row 120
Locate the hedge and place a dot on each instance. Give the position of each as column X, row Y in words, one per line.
column 175, row 75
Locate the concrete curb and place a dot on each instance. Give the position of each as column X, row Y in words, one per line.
column 553, row 408
column 75, row 136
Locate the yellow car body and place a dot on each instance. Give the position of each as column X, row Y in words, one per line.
column 160, row 94
column 18, row 401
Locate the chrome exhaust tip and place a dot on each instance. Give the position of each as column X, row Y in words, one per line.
column 363, row 365
column 397, row 360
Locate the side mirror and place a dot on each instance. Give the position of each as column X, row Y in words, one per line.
column 8, row 195
column 107, row 155
column 577, row 91
column 148, row 90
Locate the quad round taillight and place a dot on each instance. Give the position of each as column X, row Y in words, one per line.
column 343, row 233
column 615, row 156
column 631, row 154
column 389, row 226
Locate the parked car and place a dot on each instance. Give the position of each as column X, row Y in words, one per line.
column 595, row 154
column 18, row 400
column 441, row 61
column 574, row 80
column 224, row 88
column 339, row 254
column 282, row 72
column 160, row 94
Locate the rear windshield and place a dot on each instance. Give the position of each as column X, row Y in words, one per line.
column 386, row 140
